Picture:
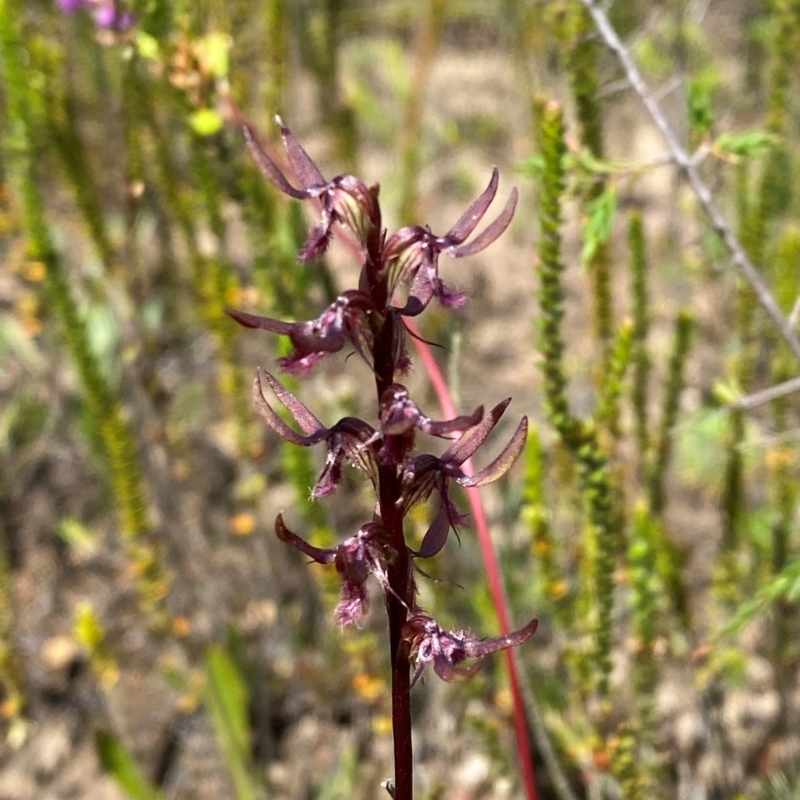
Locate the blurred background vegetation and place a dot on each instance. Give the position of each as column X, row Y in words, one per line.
column 155, row 639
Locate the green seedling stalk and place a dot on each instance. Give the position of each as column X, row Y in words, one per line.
column 673, row 388
column 580, row 437
column 613, row 382
column 63, row 128
column 641, row 313
column 550, row 269
column 585, row 82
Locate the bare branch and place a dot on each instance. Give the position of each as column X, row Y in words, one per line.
column 768, row 395
column 701, row 190
column 794, row 317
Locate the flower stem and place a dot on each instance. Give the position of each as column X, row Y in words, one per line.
column 389, row 493
column 401, row 596
column 401, row 704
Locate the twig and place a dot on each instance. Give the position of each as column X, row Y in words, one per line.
column 768, row 395
column 767, row 441
column 794, row 317
column 699, row 187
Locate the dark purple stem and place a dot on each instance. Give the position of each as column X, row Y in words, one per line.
column 401, row 674
column 389, row 489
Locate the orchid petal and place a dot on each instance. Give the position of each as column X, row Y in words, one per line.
column 473, row 215
column 353, row 602
column 330, row 478
column 318, row 554
column 304, row 168
column 472, row 439
column 447, row 297
column 261, row 323
column 268, row 167
column 445, row 427
column 356, row 438
column 503, row 462
column 450, row 672
column 480, row 648
column 278, row 425
column 489, row 234
column 309, row 338
column 302, row 415
column 418, row 299
column 436, row 535
column 317, row 243
column 457, row 519
column 301, row 364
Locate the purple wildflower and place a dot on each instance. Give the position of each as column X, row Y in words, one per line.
column 412, row 254
column 346, row 319
column 344, row 199
column 107, row 14
column 350, row 438
column 427, row 472
column 355, row 559
column 429, row 643
column 370, row 318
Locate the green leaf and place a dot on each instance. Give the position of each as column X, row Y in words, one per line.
column 701, row 117
column 793, row 592
column 103, row 335
column 726, row 393
column 205, row 122
column 226, row 701
column 784, row 586
column 587, row 162
column 122, row 767
column 745, row 144
column 597, row 230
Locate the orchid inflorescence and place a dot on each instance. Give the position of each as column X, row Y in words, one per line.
column 399, row 278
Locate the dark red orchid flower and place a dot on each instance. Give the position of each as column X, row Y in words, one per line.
column 398, row 279
column 355, row 559
column 346, row 319
column 400, row 415
column 350, row 438
column 344, row 199
column 429, row 643
column 427, row 472
column 412, row 253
